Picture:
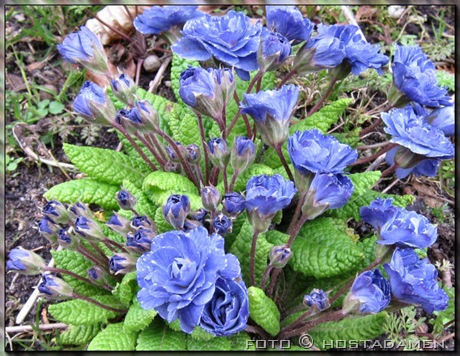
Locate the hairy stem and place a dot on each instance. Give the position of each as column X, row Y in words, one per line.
column 286, row 78
column 252, row 258
column 324, row 97
column 205, row 150
column 284, row 162
column 74, row 275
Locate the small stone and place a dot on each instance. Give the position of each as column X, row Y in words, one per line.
column 151, row 63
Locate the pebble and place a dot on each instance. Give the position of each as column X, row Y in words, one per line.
column 151, row 63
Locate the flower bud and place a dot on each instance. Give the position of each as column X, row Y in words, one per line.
column 142, row 221
column 222, row 224
column 279, row 256
column 125, row 199
column 130, row 120
column 193, row 153
column 172, row 152
column 199, row 215
column 48, row 229
column 405, row 158
column 140, row 241
column 122, row 263
column 243, row 153
column 124, row 89
column 54, row 287
column 317, row 299
column 148, row 114
column 176, row 209
column 25, row 262
column 233, row 204
column 93, row 104
column 171, row 166
column 66, row 239
column 89, row 229
column 210, row 197
column 56, row 212
column 119, row 224
column 191, row 224
column 79, row 209
column 97, row 275
column 218, row 152
column 274, row 49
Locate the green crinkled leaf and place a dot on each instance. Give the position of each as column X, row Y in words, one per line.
column 200, row 334
column 263, row 311
column 126, row 289
column 236, row 228
column 239, row 342
column 76, row 263
column 169, row 182
column 324, row 118
column 87, row 191
column 241, row 248
column 323, row 249
column 363, row 181
column 159, row 337
column 184, row 126
column 80, row 312
column 79, row 334
column 350, row 138
column 214, row 344
column 162, row 224
column 144, row 205
column 359, row 328
column 130, row 151
column 107, row 165
column 114, row 338
column 137, row 318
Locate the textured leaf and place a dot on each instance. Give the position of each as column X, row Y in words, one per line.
column 126, row 289
column 79, row 334
column 114, row 338
column 324, row 118
column 200, row 334
column 137, row 318
column 214, row 344
column 350, row 138
column 241, row 248
column 144, row 205
column 162, row 224
column 263, row 311
column 75, row 262
column 87, row 191
column 184, row 126
column 169, row 182
column 323, row 249
column 365, row 180
column 360, row 328
column 239, row 342
column 107, row 165
column 130, row 151
column 159, row 337
column 80, row 312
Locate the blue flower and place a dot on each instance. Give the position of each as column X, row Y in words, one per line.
column 370, row 293
column 89, row 229
column 25, row 262
column 176, row 209
column 427, row 167
column 265, row 196
column 313, row 152
column 417, row 135
column 230, row 38
column 274, row 50
column 161, row 18
column 414, row 281
column 415, row 76
column 219, row 153
column 288, row 21
column 67, row 240
column 443, row 118
column 55, row 287
column 122, row 263
column 178, row 276
column 124, row 89
column 48, row 229
column 318, row 299
column 141, row 240
column 327, row 191
column 222, row 224
column 210, row 197
column 379, row 212
column 233, row 204
column 130, row 119
column 84, row 47
column 125, row 199
column 272, row 111
column 92, row 103
column 243, row 153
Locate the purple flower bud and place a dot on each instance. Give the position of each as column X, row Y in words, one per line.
column 210, row 198
column 370, row 293
column 140, row 241
column 122, row 263
column 85, row 48
column 193, row 153
column 272, row 111
column 279, row 256
column 199, row 215
column 274, row 49
column 172, row 153
column 148, row 114
column 97, row 275
column 317, row 299
column 189, row 225
column 79, row 209
column 89, row 229
column 171, row 166
column 124, row 89
column 54, row 287
column 25, row 262
column 233, row 204
column 218, row 152
column 130, row 119
column 243, row 153
column 142, row 221
column 176, row 209
column 125, row 199
column 48, row 229
column 56, row 212
column 93, row 104
column 222, row 224
column 67, row 240
column 119, row 224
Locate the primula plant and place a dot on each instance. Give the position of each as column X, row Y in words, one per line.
column 227, row 214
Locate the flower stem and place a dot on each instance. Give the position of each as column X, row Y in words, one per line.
column 258, row 76
column 205, row 150
column 295, row 230
column 370, row 128
column 235, row 175
column 273, row 281
column 74, row 275
column 108, row 242
column 265, row 276
column 374, row 156
column 283, row 161
column 225, row 178
column 150, row 148
column 90, row 256
column 252, row 258
column 389, row 170
column 287, row 77
column 95, row 302
column 297, row 212
column 324, row 97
